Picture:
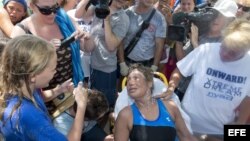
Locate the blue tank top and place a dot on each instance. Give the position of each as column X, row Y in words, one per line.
column 161, row 129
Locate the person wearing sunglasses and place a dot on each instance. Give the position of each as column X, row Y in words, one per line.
column 243, row 9
column 13, row 12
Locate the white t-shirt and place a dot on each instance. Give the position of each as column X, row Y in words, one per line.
column 216, row 89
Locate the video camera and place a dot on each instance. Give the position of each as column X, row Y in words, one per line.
column 101, row 7
column 201, row 16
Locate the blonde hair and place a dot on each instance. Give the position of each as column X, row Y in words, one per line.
column 236, row 34
column 244, row 2
column 22, row 58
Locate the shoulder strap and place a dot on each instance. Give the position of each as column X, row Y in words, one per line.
column 134, row 40
column 150, row 16
column 26, row 30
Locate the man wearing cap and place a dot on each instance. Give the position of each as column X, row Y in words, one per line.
column 13, row 12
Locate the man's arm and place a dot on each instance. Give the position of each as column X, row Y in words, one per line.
column 80, row 9
column 159, row 42
column 244, row 111
column 111, row 39
column 172, row 84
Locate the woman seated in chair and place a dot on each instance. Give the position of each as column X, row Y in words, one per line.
column 148, row 119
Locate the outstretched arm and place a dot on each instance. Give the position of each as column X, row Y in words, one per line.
column 80, row 9
column 159, row 42
column 244, row 111
column 122, row 128
column 173, row 83
column 181, row 128
column 5, row 23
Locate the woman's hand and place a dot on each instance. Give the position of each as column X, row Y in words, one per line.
column 56, row 43
column 166, row 95
column 81, row 95
column 67, row 86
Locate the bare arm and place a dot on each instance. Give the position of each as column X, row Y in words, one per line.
column 181, row 128
column 122, row 128
column 80, row 9
column 159, row 42
column 86, row 41
column 111, row 39
column 66, row 86
column 172, row 84
column 5, row 23
column 244, row 111
column 120, row 53
column 81, row 97
column 179, row 51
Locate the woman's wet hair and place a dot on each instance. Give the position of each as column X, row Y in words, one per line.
column 146, row 71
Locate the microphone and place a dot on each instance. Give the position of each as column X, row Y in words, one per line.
column 68, row 41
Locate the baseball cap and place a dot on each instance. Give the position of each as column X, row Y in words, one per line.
column 227, row 8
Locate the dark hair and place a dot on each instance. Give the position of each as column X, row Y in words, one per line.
column 97, row 105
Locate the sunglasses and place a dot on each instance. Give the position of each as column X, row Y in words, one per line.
column 48, row 10
column 244, row 8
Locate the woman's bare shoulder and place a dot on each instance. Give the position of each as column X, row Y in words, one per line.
column 126, row 112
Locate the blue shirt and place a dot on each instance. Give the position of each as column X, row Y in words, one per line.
column 29, row 123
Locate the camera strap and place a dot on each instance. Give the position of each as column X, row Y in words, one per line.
column 134, row 40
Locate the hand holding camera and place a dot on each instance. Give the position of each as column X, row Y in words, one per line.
column 101, row 7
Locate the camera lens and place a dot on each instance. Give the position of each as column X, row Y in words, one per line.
column 102, row 13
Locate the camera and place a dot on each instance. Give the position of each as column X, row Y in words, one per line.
column 201, row 17
column 101, row 7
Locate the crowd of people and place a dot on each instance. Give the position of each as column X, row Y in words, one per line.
column 62, row 63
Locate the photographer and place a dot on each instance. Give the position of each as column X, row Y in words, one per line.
column 222, row 16
column 176, row 53
column 109, row 27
